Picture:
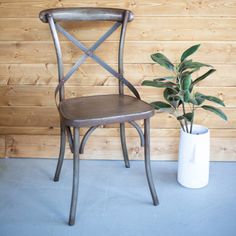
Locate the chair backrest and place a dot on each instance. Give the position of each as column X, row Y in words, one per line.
column 120, row 16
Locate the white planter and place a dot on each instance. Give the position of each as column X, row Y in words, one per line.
column 194, row 153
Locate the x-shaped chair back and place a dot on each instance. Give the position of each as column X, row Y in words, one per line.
column 119, row 16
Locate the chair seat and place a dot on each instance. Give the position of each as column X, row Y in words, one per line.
column 103, row 109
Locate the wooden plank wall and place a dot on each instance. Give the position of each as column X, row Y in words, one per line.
column 28, row 117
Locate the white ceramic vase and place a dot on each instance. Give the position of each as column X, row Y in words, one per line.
column 194, row 154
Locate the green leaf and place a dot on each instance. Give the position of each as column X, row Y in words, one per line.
column 182, row 64
column 215, row 110
column 162, row 61
column 187, row 96
column 167, row 93
column 203, row 77
column 199, row 98
column 164, row 78
column 190, row 72
column 171, row 97
column 194, row 70
column 189, row 52
column 180, row 117
column 186, row 81
column 193, row 101
column 158, row 84
column 192, row 65
column 210, row 98
column 160, row 105
column 187, row 116
column 215, row 100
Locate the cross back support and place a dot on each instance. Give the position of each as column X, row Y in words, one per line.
column 121, row 20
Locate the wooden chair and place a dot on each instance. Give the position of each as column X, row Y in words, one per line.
column 93, row 111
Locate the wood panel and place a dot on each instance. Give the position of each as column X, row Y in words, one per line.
column 2, row 146
column 202, row 117
column 94, row 75
column 15, row 8
column 29, row 116
column 142, row 29
column 109, row 147
column 29, row 122
column 136, row 52
column 23, row 95
column 99, row 147
column 48, row 117
column 109, row 132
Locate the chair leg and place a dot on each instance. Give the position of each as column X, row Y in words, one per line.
column 75, row 186
column 123, row 145
column 147, row 161
column 61, row 154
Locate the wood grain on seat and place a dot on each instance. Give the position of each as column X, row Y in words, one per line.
column 103, row 109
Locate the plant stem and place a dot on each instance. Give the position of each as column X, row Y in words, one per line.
column 186, row 123
column 182, row 126
column 191, row 127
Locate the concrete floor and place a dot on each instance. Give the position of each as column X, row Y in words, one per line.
column 114, row 200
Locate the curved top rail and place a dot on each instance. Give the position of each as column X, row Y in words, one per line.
column 85, row 14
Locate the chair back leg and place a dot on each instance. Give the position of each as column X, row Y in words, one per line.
column 147, row 161
column 61, row 154
column 75, row 186
column 123, row 145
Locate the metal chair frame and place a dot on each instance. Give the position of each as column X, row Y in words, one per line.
column 121, row 17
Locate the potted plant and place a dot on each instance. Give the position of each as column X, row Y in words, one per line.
column 182, row 101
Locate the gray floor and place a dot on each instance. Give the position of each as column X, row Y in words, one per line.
column 114, row 200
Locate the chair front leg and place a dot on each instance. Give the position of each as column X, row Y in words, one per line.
column 62, row 153
column 123, row 145
column 75, row 186
column 147, row 161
